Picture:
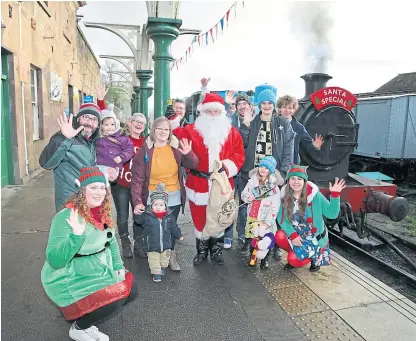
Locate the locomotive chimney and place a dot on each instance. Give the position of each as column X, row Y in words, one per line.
column 314, row 82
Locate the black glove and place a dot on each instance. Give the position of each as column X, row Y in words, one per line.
column 250, row 93
column 170, row 112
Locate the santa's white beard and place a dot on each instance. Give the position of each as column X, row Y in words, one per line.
column 214, row 131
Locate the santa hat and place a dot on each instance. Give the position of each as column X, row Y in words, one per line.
column 212, row 101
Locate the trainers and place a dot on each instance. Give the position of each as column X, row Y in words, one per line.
column 157, row 278
column 89, row 334
column 227, row 243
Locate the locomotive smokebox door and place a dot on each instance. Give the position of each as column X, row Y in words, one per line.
column 329, row 115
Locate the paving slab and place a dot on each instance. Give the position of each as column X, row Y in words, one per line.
column 335, row 288
column 365, row 279
column 379, row 322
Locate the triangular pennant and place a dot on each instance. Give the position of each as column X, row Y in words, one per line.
column 212, row 34
column 222, row 24
column 216, row 31
column 189, row 50
column 206, row 37
column 243, row 4
column 186, row 55
column 227, row 15
column 235, row 9
column 199, row 40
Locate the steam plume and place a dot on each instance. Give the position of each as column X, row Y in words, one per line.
column 312, row 24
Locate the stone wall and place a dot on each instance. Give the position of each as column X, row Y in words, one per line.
column 46, row 36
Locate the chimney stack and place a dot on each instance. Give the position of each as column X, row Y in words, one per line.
column 314, row 82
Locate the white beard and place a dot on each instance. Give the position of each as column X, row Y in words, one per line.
column 214, row 131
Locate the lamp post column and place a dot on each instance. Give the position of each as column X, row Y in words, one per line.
column 163, row 32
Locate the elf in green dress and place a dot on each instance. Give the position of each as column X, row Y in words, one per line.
column 83, row 273
column 301, row 217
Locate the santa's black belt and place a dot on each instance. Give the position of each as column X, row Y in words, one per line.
column 200, row 174
column 204, row 175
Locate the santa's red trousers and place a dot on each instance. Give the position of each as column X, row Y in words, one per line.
column 283, row 243
column 199, row 215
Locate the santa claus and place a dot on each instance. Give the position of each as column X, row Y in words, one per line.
column 213, row 138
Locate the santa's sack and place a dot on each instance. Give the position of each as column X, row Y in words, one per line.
column 221, row 208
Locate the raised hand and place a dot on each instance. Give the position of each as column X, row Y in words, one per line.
column 101, row 92
column 65, row 124
column 338, row 186
column 186, row 146
column 78, row 227
column 229, row 96
column 205, row 81
column 318, row 141
column 248, row 115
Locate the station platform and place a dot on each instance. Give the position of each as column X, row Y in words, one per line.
column 208, row 302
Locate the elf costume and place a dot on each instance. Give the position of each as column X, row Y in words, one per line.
column 310, row 227
column 82, row 272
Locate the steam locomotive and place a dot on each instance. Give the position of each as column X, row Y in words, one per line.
column 328, row 111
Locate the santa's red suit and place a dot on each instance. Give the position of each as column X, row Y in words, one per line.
column 213, row 138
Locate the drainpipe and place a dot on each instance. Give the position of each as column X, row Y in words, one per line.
column 24, row 128
column 23, row 95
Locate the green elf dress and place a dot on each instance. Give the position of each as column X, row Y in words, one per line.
column 81, row 273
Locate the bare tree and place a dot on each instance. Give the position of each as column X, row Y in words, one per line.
column 119, row 86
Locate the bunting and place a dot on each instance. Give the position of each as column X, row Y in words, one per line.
column 202, row 39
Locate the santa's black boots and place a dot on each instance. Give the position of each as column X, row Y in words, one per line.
column 264, row 263
column 202, row 251
column 216, row 251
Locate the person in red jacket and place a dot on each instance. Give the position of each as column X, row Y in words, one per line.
column 213, row 139
column 122, row 194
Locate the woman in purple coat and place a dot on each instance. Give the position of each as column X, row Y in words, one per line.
column 113, row 149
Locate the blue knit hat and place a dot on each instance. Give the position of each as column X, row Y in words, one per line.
column 266, row 96
column 268, row 162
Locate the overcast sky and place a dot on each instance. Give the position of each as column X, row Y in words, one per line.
column 369, row 42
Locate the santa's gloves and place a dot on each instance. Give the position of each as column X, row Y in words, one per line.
column 170, row 113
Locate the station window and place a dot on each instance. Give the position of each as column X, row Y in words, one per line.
column 35, row 94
